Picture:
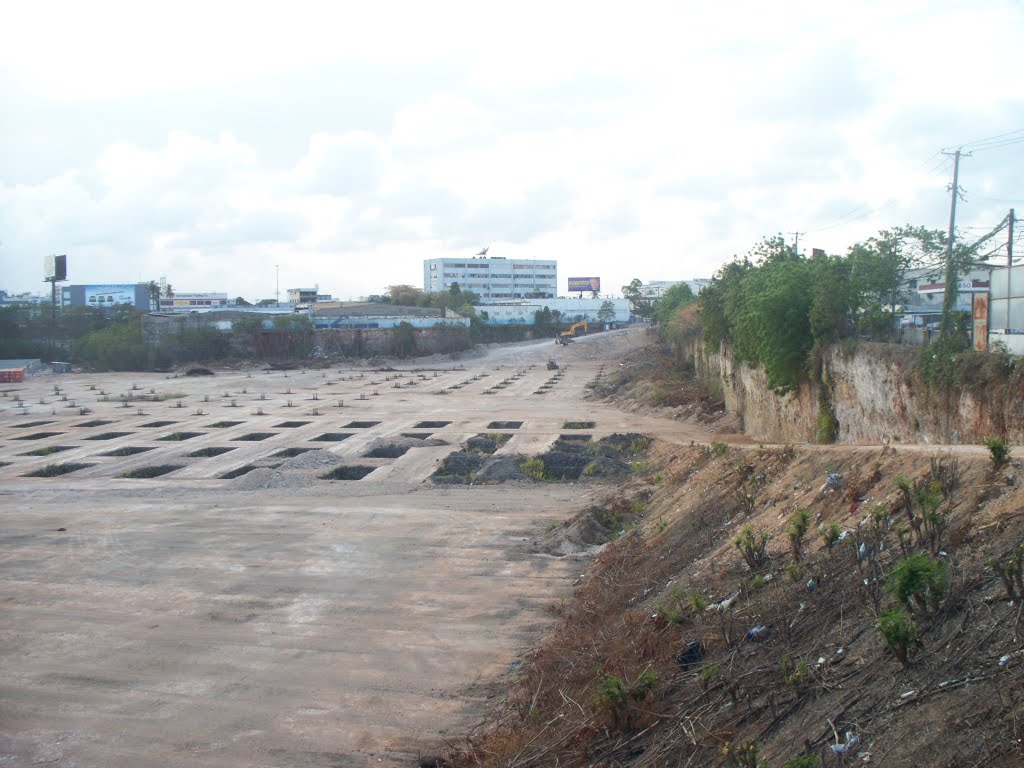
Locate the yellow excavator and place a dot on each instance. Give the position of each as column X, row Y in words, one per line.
column 574, row 330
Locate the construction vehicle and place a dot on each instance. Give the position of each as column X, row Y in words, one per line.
column 566, row 336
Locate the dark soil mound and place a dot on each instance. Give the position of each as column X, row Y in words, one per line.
column 389, row 451
column 603, row 466
column 460, row 463
column 564, row 465
column 620, row 445
column 500, row 469
column 481, row 444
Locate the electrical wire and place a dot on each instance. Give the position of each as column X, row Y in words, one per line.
column 998, row 146
column 1012, row 137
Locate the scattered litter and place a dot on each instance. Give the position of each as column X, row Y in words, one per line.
column 1003, row 660
column 811, row 585
column 725, row 604
column 758, row 633
column 847, row 748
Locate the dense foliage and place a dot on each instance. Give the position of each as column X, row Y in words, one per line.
column 675, row 298
column 454, row 298
column 776, row 307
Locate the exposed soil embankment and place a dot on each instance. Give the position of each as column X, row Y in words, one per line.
column 875, row 395
column 649, row 381
column 723, row 627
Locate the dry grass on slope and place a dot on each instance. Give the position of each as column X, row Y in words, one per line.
column 658, row 660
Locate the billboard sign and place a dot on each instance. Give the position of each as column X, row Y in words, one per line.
column 109, row 295
column 55, row 268
column 584, row 284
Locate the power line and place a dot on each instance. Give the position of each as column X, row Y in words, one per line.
column 998, row 146
column 995, row 231
column 976, row 142
column 846, row 219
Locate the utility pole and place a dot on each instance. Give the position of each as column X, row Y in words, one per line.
column 1009, row 267
column 796, row 242
column 277, row 285
column 949, row 299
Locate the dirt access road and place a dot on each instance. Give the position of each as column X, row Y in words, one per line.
column 275, row 619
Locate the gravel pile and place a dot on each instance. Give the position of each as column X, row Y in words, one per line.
column 582, row 535
column 311, row 460
column 265, row 477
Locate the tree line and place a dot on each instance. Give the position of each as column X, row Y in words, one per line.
column 777, row 308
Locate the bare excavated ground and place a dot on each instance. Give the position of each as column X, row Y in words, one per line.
column 181, row 586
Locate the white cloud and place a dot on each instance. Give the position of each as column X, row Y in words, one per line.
column 347, row 143
column 350, row 165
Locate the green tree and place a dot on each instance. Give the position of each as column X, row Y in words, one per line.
column 201, row 345
column 720, row 300
column 406, row 295
column 878, row 272
column 403, row 339
column 675, row 298
column 771, row 324
column 542, row 325
column 639, row 305
column 295, row 335
column 830, row 299
column 240, row 302
column 118, row 347
column 153, row 290
column 606, row 314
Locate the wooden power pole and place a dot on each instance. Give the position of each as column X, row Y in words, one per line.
column 949, row 299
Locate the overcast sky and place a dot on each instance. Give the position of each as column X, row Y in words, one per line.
column 346, row 142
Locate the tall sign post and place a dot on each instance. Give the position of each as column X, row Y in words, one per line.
column 55, row 270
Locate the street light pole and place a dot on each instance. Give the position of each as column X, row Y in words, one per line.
column 277, row 285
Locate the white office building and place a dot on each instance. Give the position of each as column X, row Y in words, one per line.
column 655, row 289
column 493, row 279
column 571, row 309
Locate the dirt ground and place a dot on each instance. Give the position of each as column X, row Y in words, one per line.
column 278, row 619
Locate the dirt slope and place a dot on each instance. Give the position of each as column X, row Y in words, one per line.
column 673, row 651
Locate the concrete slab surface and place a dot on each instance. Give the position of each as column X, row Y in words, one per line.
column 188, row 620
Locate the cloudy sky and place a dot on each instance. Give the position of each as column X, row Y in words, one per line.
column 345, row 142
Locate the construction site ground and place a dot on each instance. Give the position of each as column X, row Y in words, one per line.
column 187, row 617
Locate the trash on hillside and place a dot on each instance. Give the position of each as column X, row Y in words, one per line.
column 757, row 633
column 848, row 747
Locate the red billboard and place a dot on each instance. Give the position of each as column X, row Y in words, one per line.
column 584, row 284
